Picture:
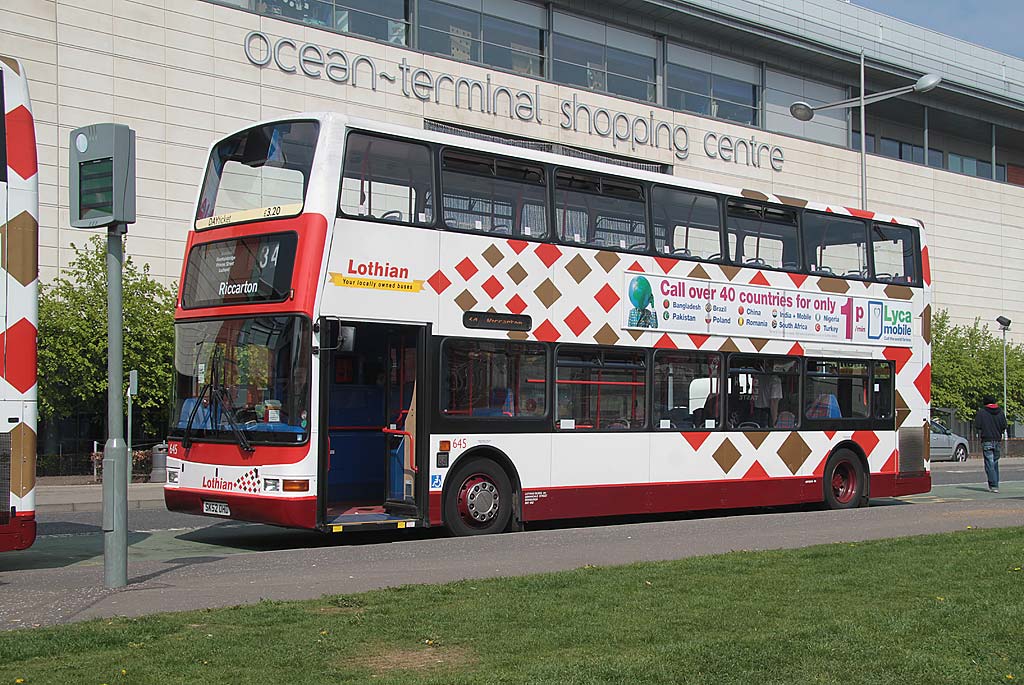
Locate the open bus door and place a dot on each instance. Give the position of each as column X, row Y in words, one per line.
column 373, row 455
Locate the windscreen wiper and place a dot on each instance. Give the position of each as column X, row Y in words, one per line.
column 225, row 406
column 219, row 395
column 186, row 440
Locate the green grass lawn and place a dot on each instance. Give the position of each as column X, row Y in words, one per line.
column 936, row 609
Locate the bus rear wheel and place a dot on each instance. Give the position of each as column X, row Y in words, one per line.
column 844, row 481
column 478, row 500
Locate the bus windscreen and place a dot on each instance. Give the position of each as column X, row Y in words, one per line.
column 240, row 271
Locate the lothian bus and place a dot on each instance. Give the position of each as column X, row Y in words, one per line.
column 19, row 227
column 559, row 337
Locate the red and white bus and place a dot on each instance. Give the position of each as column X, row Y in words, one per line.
column 560, row 338
column 19, row 226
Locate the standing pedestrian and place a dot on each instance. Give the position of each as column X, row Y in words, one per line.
column 990, row 423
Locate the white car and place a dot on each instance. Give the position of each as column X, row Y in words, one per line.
column 947, row 445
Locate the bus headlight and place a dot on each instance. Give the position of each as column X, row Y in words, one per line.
column 172, row 476
column 271, row 485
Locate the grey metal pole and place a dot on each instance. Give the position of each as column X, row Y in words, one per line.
column 128, row 444
column 863, row 141
column 115, row 453
column 1006, row 434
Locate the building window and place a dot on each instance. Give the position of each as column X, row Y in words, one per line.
column 870, row 139
column 971, row 166
column 710, row 85
column 473, row 36
column 602, row 68
column 597, row 57
column 897, row 149
column 692, row 90
column 380, row 19
column 935, row 158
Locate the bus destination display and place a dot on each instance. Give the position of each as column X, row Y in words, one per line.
column 240, row 271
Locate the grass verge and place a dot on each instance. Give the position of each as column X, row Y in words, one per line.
column 935, row 609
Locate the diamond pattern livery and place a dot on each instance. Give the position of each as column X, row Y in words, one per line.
column 466, row 268
column 577, row 321
column 493, row 287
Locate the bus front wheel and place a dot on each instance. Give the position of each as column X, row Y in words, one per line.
column 478, row 500
column 844, row 481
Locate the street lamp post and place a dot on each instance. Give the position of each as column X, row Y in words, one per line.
column 805, row 112
column 1004, row 325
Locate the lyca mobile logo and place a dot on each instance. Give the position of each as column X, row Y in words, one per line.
column 885, row 320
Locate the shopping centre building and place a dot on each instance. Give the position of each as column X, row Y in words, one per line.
column 700, row 88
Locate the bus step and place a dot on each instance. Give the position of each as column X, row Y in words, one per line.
column 375, row 521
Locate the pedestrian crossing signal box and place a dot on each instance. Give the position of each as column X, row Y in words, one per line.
column 102, row 176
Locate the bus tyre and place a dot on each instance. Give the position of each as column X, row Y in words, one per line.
column 844, row 481
column 478, row 500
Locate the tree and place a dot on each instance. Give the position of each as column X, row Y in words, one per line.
column 73, row 339
column 967, row 364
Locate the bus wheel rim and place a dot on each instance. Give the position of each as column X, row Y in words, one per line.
column 478, row 500
column 844, row 482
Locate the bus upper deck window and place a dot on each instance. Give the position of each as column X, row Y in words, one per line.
column 895, row 252
column 387, row 179
column 490, row 194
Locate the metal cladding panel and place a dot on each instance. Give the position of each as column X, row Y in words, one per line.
column 914, row 447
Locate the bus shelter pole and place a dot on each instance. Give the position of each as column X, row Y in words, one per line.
column 115, row 452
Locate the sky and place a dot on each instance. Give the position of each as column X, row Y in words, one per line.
column 995, row 24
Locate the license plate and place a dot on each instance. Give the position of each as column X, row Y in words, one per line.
column 218, row 508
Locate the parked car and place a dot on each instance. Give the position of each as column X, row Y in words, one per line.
column 947, row 445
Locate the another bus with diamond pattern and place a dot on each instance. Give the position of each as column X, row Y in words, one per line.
column 19, row 229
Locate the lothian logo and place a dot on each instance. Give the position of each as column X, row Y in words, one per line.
column 217, row 483
column 247, row 482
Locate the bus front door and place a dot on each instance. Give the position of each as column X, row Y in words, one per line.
column 368, row 473
column 401, row 414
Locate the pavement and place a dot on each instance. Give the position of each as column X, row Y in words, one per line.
column 54, row 498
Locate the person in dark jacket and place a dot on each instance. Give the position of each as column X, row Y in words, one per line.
column 990, row 422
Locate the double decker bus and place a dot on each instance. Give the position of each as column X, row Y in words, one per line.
column 19, row 229
column 558, row 338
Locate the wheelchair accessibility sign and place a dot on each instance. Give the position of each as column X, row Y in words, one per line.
column 435, row 482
